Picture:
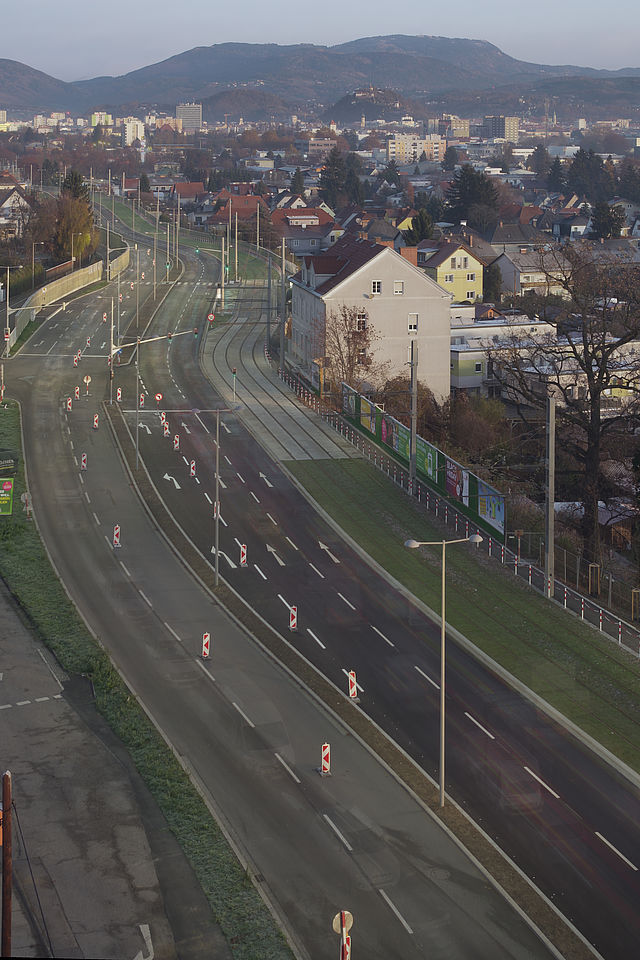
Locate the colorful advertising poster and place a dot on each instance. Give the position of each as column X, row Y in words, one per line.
column 6, row 497
column 348, row 400
column 395, row 435
column 368, row 415
column 491, row 506
column 457, row 482
column 427, row 459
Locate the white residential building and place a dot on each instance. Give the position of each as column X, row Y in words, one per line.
column 397, row 301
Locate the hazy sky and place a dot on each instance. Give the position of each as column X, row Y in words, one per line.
column 74, row 39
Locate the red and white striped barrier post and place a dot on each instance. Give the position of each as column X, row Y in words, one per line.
column 163, row 417
column 88, row 341
column 176, row 442
column 119, row 394
column 165, row 427
column 293, row 618
column 206, row 642
column 141, row 400
column 68, row 404
column 79, row 355
column 116, row 535
column 466, row 528
column 192, row 468
column 600, row 618
column 502, row 553
column 95, row 421
column 620, row 632
column 243, row 554
column 75, row 360
column 76, row 393
column 515, row 566
column 490, row 545
column 325, row 768
column 529, row 574
column 565, row 596
column 83, row 461
column 582, row 608
column 353, row 686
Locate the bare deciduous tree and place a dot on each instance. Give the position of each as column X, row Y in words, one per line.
column 348, row 343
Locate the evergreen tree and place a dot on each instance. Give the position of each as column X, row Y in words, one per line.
column 391, row 173
column 540, row 161
column 145, row 186
column 297, row 182
column 74, row 186
column 606, row 221
column 332, row 178
column 588, row 175
column 421, row 228
column 492, row 283
column 629, row 183
column 470, row 189
column 450, row 159
column 556, row 180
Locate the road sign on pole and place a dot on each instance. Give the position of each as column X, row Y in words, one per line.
column 116, row 535
column 158, row 397
column 206, row 642
column 342, row 923
column 293, row 618
column 211, row 317
column 192, row 468
column 87, row 380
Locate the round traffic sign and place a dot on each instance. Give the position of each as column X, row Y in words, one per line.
column 86, row 379
column 158, row 397
column 337, row 923
column 211, row 316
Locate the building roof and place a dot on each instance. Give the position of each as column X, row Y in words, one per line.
column 189, row 191
column 444, row 250
column 513, row 233
column 347, row 256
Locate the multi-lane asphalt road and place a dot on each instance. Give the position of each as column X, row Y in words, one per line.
column 247, row 732
column 567, row 818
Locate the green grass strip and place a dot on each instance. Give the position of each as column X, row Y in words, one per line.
column 236, row 905
column 589, row 679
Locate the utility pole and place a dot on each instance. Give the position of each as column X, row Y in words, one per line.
column 7, row 865
column 268, row 300
column 168, row 249
column 222, row 270
column 550, row 492
column 108, row 261
column 155, row 256
column 283, row 310
column 217, row 500
column 235, row 269
column 137, row 285
column 258, row 225
column 414, row 417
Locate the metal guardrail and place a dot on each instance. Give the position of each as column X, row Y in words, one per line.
column 614, row 628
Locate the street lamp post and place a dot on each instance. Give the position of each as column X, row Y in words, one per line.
column 412, row 545
column 77, row 234
column 7, row 327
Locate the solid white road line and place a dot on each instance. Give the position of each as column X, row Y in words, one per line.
column 484, row 730
column 272, row 520
column 287, row 605
column 395, row 910
column 81, row 478
column 243, row 714
column 260, row 571
column 337, row 832
column 292, row 543
column 241, row 479
column 348, row 603
column 172, row 631
column 227, row 459
column 381, row 634
column 145, row 598
column 95, row 517
column 287, row 768
column 616, row 851
column 432, row 682
column 254, row 496
column 124, row 568
column 315, row 569
column 87, row 496
column 319, row 642
column 208, row 498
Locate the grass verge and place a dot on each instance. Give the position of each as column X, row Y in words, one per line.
column 24, row 566
column 590, row 680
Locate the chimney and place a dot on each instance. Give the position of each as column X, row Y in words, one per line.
column 501, row 224
column 470, row 240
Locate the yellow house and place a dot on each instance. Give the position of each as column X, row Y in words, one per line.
column 454, row 266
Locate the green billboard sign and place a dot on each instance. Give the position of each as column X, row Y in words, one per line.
column 6, row 497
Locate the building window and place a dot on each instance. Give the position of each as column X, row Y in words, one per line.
column 471, row 294
column 314, row 242
column 361, row 322
column 398, row 287
column 376, row 286
column 362, row 356
column 448, row 278
column 453, row 263
column 470, row 276
column 294, row 243
column 465, row 263
column 413, row 323
column 478, row 366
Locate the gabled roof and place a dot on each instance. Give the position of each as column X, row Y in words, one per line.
column 444, row 251
column 513, row 233
column 282, row 215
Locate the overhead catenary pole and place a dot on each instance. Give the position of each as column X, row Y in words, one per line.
column 235, row 248
column 7, row 864
column 137, row 285
column 283, row 310
column 111, row 357
column 222, row 270
column 217, row 500
column 108, row 261
column 268, row 299
column 549, row 512
column 258, row 225
column 414, row 417
column 155, row 257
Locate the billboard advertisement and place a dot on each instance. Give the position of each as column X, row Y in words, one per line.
column 348, row 400
column 6, row 497
column 395, row 435
column 457, row 482
column 368, row 415
column 491, row 506
column 427, row 459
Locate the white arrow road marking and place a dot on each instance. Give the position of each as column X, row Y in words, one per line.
column 144, row 426
column 271, row 550
column 228, row 559
column 185, row 427
column 324, row 547
column 223, row 424
column 222, row 483
column 263, row 477
column 174, row 481
column 358, row 687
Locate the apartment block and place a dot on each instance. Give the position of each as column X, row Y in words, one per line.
column 407, row 148
column 191, row 116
